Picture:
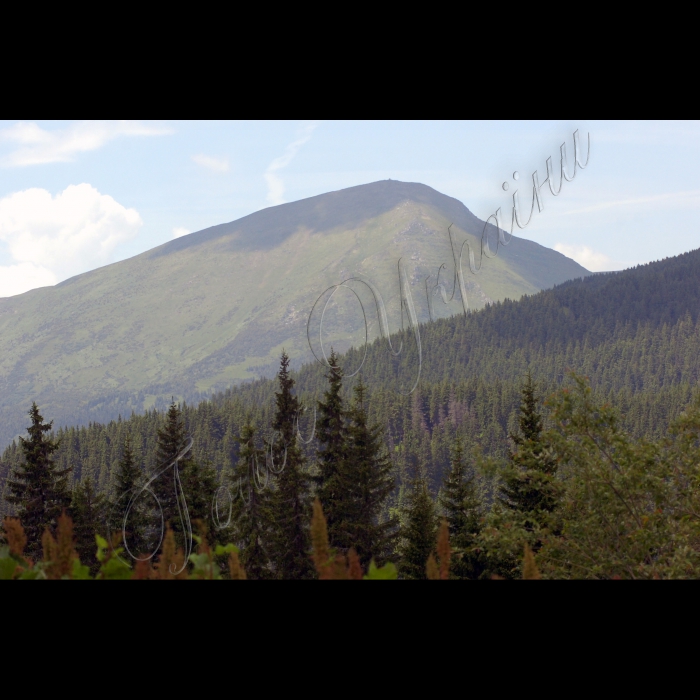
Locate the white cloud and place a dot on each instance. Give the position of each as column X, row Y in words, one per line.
column 180, row 231
column 36, row 145
column 17, row 279
column 218, row 165
column 73, row 232
column 275, row 185
column 589, row 258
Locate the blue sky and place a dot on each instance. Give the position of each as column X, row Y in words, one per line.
column 75, row 195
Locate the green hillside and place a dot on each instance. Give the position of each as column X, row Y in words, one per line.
column 215, row 307
column 635, row 334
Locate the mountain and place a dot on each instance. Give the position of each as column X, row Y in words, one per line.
column 213, row 308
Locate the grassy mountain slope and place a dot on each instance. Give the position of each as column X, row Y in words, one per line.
column 215, row 307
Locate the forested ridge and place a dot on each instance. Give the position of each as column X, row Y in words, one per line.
column 634, row 334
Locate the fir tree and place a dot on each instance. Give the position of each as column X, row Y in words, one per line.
column 368, row 481
column 127, row 480
column 291, row 500
column 528, row 484
column 419, row 531
column 331, row 457
column 462, row 509
column 251, row 508
column 89, row 512
column 38, row 488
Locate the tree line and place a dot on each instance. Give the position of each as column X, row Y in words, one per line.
column 576, row 496
column 634, row 335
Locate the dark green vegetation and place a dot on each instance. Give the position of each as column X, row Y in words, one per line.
column 37, row 488
column 634, row 334
column 463, row 510
column 207, row 310
column 621, row 508
column 601, row 483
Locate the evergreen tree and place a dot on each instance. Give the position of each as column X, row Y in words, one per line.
column 291, row 499
column 251, row 508
column 528, row 484
column 199, row 484
column 368, row 480
column 419, row 531
column 89, row 512
column 127, row 480
column 171, row 439
column 331, row 457
column 38, row 488
column 462, row 508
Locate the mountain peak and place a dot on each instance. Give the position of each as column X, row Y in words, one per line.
column 348, row 209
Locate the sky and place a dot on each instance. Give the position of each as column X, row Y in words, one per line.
column 77, row 195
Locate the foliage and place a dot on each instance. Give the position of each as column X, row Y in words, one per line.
column 463, row 511
column 171, row 440
column 587, row 497
column 112, row 565
column 444, row 550
column 630, row 508
column 528, row 494
column 331, row 459
column 388, row 572
column 13, row 563
column 367, row 479
column 200, row 484
column 329, row 564
column 291, row 499
column 418, row 533
column 530, row 570
column 251, row 508
column 60, row 558
column 334, row 566
column 89, row 512
column 38, row 488
column 208, row 563
column 528, row 484
column 128, row 478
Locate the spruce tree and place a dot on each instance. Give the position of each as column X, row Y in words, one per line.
column 127, row 480
column 89, row 512
column 171, row 439
column 199, row 484
column 331, row 457
column 38, row 488
column 462, row 509
column 368, row 480
column 291, row 499
column 418, row 532
column 528, row 484
column 251, row 507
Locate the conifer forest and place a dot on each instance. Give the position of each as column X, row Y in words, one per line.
column 553, row 437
